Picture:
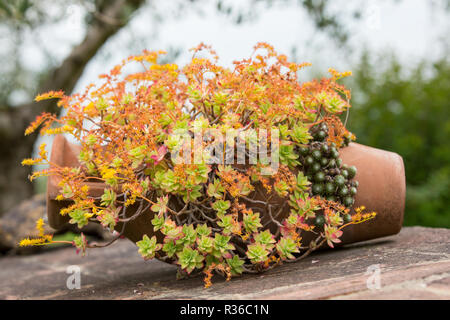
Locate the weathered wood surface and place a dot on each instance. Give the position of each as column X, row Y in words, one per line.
column 414, row 264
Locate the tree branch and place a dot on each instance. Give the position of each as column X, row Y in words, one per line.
column 107, row 20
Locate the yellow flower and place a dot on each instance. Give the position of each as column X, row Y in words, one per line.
column 90, row 107
column 339, row 75
column 30, row 242
column 360, row 209
column 40, row 227
column 130, row 201
column 28, row 162
column 42, row 151
column 68, row 129
column 108, row 173
column 84, row 189
column 37, row 174
column 52, row 131
column 44, row 239
column 49, row 95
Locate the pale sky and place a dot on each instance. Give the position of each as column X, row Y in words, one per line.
column 410, row 28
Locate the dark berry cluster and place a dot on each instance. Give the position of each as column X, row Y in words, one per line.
column 330, row 178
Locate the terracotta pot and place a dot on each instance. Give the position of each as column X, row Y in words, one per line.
column 380, row 173
column 382, row 188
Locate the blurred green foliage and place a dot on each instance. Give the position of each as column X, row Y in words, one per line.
column 407, row 111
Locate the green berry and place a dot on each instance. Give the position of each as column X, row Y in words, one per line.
column 348, row 201
column 344, row 173
column 343, row 191
column 304, row 151
column 325, row 148
column 347, row 218
column 329, row 188
column 316, row 154
column 348, row 139
column 321, row 135
column 331, row 198
column 334, row 153
column 324, row 162
column 353, row 191
column 319, row 176
column 317, row 188
column 309, row 160
column 339, row 162
column 319, row 221
column 352, row 172
column 339, row 180
column 332, row 163
column 315, row 167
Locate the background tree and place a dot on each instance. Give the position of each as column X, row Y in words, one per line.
column 394, row 107
column 407, row 111
column 104, row 18
column 17, row 17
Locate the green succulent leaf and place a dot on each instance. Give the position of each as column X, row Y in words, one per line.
column 170, row 248
column 108, row 219
column 203, row 230
column 158, row 222
column 221, row 206
column 80, row 242
column 108, row 198
column 281, row 188
column 286, row 247
column 189, row 259
column 287, row 155
column 205, row 244
column 300, row 133
column 137, row 155
column 79, row 217
column 148, row 247
column 67, row 191
column 189, row 235
column 161, row 206
column 222, row 245
column 265, row 238
column 251, row 222
column 302, row 182
column 216, row 189
column 235, row 265
column 226, row 223
column 257, row 253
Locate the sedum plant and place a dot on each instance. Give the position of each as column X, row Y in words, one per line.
column 208, row 215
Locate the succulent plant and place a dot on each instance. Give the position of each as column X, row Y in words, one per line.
column 247, row 215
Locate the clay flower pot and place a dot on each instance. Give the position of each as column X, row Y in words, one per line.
column 380, row 173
